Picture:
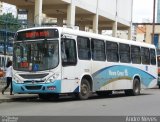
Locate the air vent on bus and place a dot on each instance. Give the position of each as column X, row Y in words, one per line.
column 33, row 87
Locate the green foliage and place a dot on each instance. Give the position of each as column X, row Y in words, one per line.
column 9, row 23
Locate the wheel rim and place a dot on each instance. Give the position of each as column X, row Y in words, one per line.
column 84, row 89
column 137, row 89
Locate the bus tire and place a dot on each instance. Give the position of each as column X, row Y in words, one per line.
column 159, row 86
column 85, row 90
column 136, row 88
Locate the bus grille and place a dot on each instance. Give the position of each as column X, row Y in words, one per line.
column 33, row 81
column 33, row 76
column 33, row 87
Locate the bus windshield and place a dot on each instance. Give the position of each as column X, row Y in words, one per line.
column 36, row 55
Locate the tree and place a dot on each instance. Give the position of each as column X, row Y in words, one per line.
column 8, row 26
column 9, row 23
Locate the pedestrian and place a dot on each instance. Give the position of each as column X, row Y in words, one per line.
column 9, row 75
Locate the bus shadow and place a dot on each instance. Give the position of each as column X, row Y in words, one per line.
column 73, row 98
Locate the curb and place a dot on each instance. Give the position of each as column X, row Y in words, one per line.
column 17, row 97
column 6, row 100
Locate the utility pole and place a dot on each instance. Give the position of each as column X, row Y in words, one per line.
column 153, row 29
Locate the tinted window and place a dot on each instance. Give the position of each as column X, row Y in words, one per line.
column 68, row 52
column 83, row 48
column 98, row 50
column 153, row 56
column 124, row 53
column 135, row 55
column 112, row 51
column 145, row 55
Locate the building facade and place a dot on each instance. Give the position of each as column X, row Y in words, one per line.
column 158, row 11
column 144, row 33
column 97, row 15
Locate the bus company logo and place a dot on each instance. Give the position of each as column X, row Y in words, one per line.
column 118, row 73
column 33, row 81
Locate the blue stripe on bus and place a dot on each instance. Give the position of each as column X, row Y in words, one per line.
column 77, row 89
column 104, row 75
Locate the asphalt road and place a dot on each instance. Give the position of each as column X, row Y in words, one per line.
column 146, row 104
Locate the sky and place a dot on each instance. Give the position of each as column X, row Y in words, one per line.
column 142, row 10
column 10, row 9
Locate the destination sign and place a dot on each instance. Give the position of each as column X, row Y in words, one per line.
column 37, row 34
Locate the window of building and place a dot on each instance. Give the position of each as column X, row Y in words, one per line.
column 98, row 50
column 145, row 55
column 112, row 51
column 124, row 53
column 83, row 48
column 135, row 54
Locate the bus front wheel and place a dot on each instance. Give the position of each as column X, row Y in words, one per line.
column 85, row 90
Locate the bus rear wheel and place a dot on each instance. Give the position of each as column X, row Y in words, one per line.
column 136, row 88
column 85, row 90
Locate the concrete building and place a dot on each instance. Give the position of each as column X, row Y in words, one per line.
column 144, row 33
column 97, row 15
column 158, row 11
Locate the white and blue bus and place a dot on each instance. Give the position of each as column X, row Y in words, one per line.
column 51, row 61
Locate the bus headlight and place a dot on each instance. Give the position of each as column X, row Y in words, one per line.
column 17, row 80
column 52, row 78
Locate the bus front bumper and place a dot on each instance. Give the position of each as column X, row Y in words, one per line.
column 53, row 87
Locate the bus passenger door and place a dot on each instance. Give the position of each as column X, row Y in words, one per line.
column 69, row 61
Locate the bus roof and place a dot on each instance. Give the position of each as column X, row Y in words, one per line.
column 65, row 30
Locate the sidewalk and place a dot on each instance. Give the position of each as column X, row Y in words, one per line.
column 9, row 98
column 2, row 84
column 16, row 97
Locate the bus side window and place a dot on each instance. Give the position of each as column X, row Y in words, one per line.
column 83, row 45
column 112, row 51
column 98, row 50
column 124, row 53
column 153, row 56
column 145, row 55
column 68, row 52
column 135, row 54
